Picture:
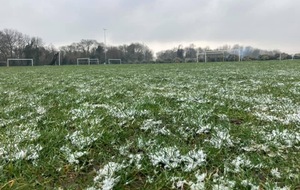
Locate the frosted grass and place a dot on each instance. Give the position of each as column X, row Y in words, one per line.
column 212, row 126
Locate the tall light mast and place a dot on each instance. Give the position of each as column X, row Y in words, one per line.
column 104, row 45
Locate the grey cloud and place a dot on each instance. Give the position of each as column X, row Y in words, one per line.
column 264, row 22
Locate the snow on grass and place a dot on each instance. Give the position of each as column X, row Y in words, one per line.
column 170, row 158
column 155, row 127
column 220, row 138
column 223, row 183
column 21, row 143
column 81, row 140
column 282, row 138
column 72, row 156
column 199, row 184
column 184, row 126
column 106, row 177
column 240, row 162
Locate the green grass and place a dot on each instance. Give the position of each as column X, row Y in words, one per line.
column 166, row 126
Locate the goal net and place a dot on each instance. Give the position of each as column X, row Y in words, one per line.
column 114, row 61
column 83, row 61
column 3, row 63
column 19, row 62
column 191, row 60
column 233, row 55
column 212, row 56
column 94, row 61
column 221, row 55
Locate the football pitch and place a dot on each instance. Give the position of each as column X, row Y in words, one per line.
column 232, row 125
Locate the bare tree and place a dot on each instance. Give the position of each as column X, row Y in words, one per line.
column 137, row 53
column 191, row 52
column 87, row 45
column 3, row 46
column 12, row 39
column 167, row 56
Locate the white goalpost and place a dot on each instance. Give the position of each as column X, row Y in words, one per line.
column 114, row 60
column 8, row 62
column 82, row 60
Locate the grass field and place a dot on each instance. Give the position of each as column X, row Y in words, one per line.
column 168, row 126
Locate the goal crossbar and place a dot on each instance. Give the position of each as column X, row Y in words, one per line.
column 17, row 59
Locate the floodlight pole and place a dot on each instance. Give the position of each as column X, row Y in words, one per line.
column 223, row 56
column 104, row 45
column 280, row 57
column 59, row 58
column 144, row 52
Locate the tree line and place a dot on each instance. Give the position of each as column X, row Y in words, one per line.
column 14, row 44
column 133, row 53
column 223, row 53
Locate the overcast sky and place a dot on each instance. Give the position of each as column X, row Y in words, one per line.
column 160, row 24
